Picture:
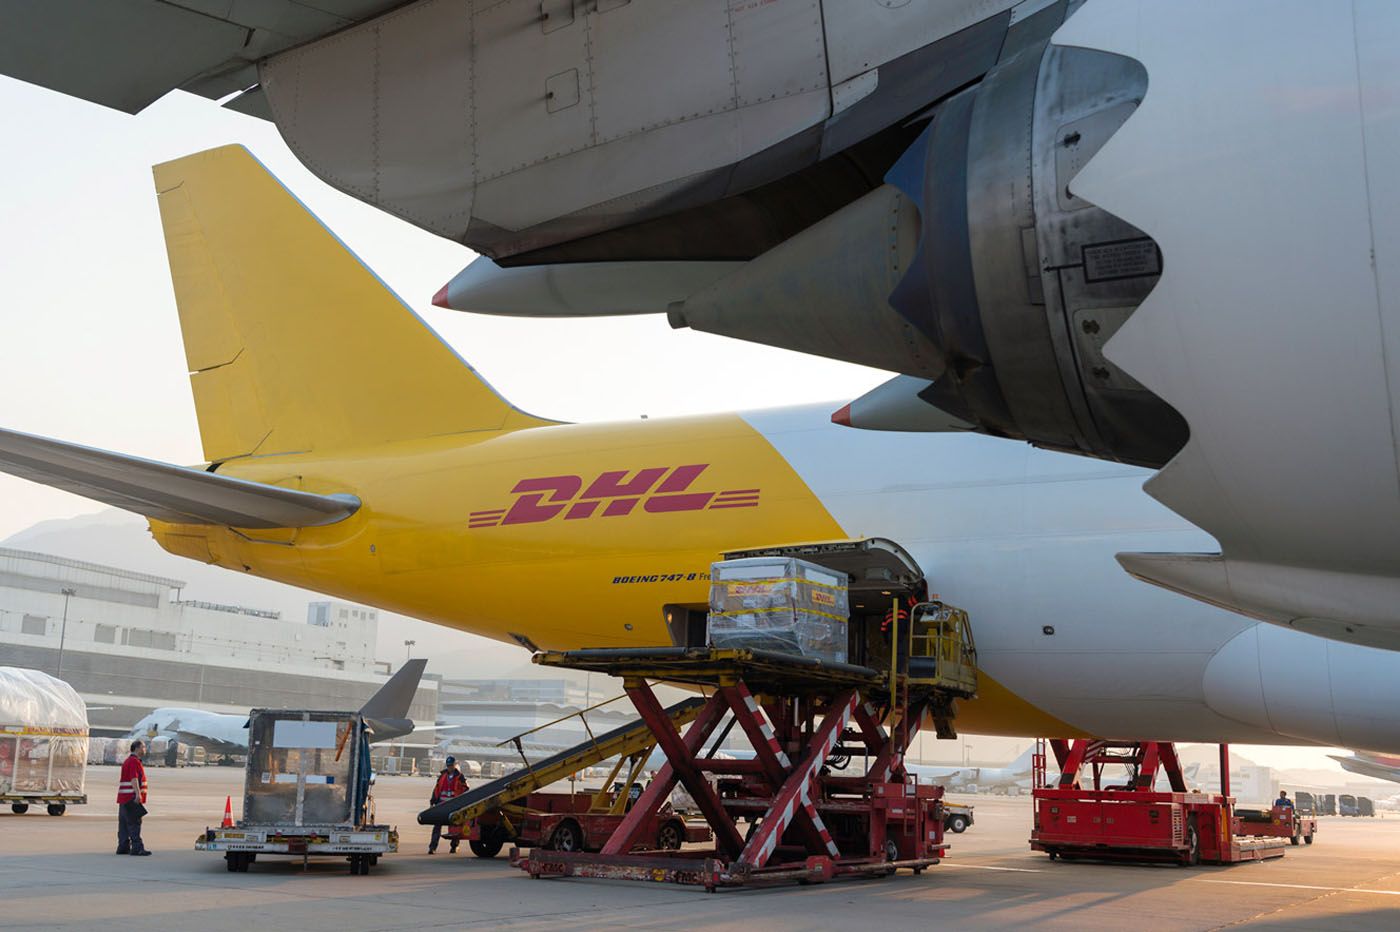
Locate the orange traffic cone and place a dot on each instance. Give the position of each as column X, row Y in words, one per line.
column 228, row 812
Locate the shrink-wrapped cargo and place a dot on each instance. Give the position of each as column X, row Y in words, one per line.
column 43, row 735
column 780, row 604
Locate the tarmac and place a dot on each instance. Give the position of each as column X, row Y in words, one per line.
column 60, row 873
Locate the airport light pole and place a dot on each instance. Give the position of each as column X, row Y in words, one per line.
column 408, row 649
column 68, row 593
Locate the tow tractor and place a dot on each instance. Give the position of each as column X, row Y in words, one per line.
column 1132, row 821
column 1297, row 824
column 306, row 793
column 826, row 793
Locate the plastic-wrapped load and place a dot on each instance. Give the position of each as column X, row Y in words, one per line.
column 780, row 604
column 43, row 735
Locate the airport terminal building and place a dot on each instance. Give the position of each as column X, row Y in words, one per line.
column 130, row 643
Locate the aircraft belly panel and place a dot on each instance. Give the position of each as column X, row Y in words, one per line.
column 454, row 112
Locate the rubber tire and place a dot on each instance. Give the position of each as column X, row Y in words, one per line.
column 1296, row 840
column 670, row 836
column 486, row 847
column 231, row 861
column 19, row 808
column 57, row 809
column 1193, row 846
column 358, row 865
column 1054, row 855
column 1307, row 839
column 957, row 824
column 568, row 832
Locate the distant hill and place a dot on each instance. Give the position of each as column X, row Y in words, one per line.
column 119, row 539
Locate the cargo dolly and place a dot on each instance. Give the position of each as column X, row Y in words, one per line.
column 306, row 793
column 807, row 720
column 1131, row 821
column 513, row 808
column 1297, row 825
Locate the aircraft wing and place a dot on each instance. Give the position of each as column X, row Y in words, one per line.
column 177, row 494
column 210, row 744
column 126, row 54
column 1382, row 767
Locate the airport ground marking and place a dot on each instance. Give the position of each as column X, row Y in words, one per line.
column 989, row 867
column 1301, row 886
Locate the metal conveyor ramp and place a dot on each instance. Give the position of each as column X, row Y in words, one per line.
column 625, row 740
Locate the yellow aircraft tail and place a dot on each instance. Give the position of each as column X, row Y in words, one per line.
column 293, row 344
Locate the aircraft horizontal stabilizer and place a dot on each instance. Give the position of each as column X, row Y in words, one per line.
column 176, row 494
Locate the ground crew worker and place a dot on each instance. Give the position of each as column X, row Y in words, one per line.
column 1283, row 802
column 131, row 802
column 450, row 783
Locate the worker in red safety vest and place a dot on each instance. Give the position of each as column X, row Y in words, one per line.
column 131, row 802
column 450, row 783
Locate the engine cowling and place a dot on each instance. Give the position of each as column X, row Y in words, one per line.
column 976, row 266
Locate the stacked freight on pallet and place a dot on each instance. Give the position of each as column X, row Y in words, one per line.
column 779, row 604
column 43, row 738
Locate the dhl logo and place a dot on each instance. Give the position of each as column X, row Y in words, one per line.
column 658, row 489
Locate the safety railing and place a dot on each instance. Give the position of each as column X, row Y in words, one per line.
column 941, row 648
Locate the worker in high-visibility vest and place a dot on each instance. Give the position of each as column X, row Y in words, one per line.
column 450, row 784
column 131, row 802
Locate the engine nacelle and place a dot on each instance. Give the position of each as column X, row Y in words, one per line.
column 1001, row 286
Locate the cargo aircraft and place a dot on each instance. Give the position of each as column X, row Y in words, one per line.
column 1159, row 232
column 350, row 451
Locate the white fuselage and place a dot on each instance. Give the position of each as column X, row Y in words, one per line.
column 1025, row 540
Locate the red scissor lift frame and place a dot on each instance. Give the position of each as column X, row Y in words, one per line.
column 1132, row 821
column 812, row 825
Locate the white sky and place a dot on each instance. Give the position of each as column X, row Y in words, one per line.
column 90, row 349
column 90, row 346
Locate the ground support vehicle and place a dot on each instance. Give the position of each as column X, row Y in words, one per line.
column 1295, row 823
column 306, row 793
column 957, row 817
column 807, row 720
column 1132, row 821
column 511, row 809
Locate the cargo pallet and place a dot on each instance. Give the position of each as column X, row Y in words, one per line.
column 806, row 719
column 1132, row 821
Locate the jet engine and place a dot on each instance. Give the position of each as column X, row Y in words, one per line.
column 977, row 270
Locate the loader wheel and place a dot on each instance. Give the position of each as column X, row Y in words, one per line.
column 1297, row 839
column 567, row 837
column 19, row 808
column 486, row 847
column 670, row 836
column 1193, row 846
column 1307, row 839
column 957, row 824
column 57, row 809
column 1054, row 855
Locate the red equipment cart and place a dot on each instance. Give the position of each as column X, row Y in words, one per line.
column 1132, row 821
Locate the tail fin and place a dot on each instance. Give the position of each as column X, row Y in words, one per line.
column 387, row 710
column 293, row 344
column 1023, row 762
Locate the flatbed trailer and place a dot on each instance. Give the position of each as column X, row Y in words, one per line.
column 1133, row 821
column 807, row 720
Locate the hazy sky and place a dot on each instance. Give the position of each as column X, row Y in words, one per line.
column 91, row 351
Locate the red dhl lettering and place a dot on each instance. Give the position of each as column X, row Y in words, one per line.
column 823, row 598
column 611, row 494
